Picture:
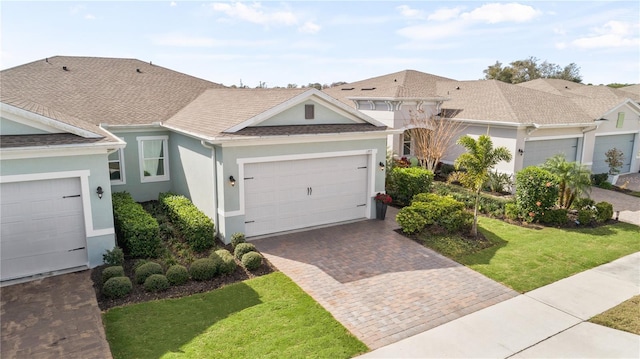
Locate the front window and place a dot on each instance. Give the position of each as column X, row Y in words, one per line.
column 406, row 143
column 154, row 161
column 116, row 167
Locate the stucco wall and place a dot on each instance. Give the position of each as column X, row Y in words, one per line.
column 296, row 116
column 8, row 127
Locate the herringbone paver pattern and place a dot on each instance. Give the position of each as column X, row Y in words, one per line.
column 380, row 285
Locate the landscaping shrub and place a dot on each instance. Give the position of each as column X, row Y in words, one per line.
column 114, row 257
column 117, row 287
column 177, row 274
column 252, row 260
column 604, row 211
column 156, row 283
column 237, row 238
column 536, row 193
column 410, row 220
column 585, row 215
column 598, row 179
column 487, row 204
column 144, row 271
column 112, row 272
column 243, row 248
column 443, row 211
column 136, row 228
column 407, row 182
column 555, row 216
column 511, row 211
column 196, row 227
column 228, row 264
column 203, row 269
column 582, row 202
column 499, row 182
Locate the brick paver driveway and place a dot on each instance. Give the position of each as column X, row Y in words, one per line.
column 379, row 284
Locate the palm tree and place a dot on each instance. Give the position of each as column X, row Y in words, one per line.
column 478, row 161
column 574, row 179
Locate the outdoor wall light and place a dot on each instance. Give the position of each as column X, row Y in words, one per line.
column 381, row 164
column 99, row 191
column 520, row 151
column 617, row 215
column 232, row 181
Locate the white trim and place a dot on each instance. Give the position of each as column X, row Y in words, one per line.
column 57, row 151
column 165, row 158
column 558, row 137
column 47, row 121
column 628, row 102
column 86, row 192
column 328, row 137
column 123, row 177
column 617, row 133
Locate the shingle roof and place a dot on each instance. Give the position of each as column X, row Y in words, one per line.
column 398, row 85
column 54, row 139
column 308, row 129
column 633, row 89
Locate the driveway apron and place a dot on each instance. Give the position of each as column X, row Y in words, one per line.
column 55, row 317
column 382, row 286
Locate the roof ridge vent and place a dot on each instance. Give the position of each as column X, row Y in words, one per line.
column 138, row 71
column 65, row 68
column 368, row 88
column 347, row 88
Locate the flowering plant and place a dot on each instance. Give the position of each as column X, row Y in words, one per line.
column 384, row 198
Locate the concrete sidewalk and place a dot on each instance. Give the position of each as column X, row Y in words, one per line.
column 546, row 322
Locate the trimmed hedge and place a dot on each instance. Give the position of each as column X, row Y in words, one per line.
column 204, row 269
column 228, row 264
column 177, row 274
column 117, row 287
column 605, row 211
column 243, row 248
column 407, row 182
column 555, row 216
column 156, row 283
column 112, row 272
column 252, row 260
column 114, row 257
column 443, row 211
column 197, row 228
column 146, row 270
column 237, row 238
column 136, row 228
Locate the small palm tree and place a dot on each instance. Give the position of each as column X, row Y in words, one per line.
column 478, row 161
column 574, row 179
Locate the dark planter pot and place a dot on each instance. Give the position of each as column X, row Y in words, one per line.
column 381, row 210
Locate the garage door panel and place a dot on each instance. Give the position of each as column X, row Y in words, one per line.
column 604, row 143
column 538, row 151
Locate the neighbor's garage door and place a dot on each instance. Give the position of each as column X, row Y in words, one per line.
column 604, row 143
column 42, row 227
column 287, row 195
column 537, row 152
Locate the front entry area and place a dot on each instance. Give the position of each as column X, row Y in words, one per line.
column 286, row 195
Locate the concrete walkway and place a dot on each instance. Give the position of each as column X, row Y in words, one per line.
column 379, row 284
column 629, row 206
column 549, row 322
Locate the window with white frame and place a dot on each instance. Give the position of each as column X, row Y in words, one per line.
column 154, row 160
column 116, row 167
column 406, row 143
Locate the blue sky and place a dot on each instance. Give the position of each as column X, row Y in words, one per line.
column 301, row 42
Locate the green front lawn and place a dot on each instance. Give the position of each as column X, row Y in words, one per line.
column 528, row 258
column 265, row 317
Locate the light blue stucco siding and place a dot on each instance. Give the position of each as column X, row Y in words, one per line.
column 231, row 218
column 8, row 127
column 296, row 116
column 93, row 172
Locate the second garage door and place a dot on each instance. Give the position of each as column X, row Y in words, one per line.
column 537, row 152
column 604, row 143
column 286, row 195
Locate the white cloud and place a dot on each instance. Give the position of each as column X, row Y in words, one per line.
column 173, row 3
column 432, row 32
column 559, row 31
column 89, row 17
column 498, row 12
column 256, row 14
column 408, row 12
column 611, row 34
column 309, row 27
column 445, row 14
column 561, row 45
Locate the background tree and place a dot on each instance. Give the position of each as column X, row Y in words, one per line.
column 478, row 161
column 530, row 69
column 432, row 137
column 573, row 178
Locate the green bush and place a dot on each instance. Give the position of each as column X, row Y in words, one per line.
column 203, row 269
column 237, row 238
column 136, row 228
column 586, row 215
column 117, row 287
column 144, row 271
column 598, row 179
column 252, row 260
column 605, row 211
column 112, row 272
column 582, row 202
column 605, row 185
column 407, row 182
column 555, row 216
column 243, row 248
column 228, row 264
column 194, row 225
column 156, row 283
column 511, row 211
column 536, row 193
column 114, row 257
column 487, row 204
column 410, row 220
column 177, row 274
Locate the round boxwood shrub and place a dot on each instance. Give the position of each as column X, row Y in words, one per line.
column 177, row 274
column 556, row 216
column 156, row 283
column 144, row 271
column 252, row 260
column 243, row 248
column 228, row 264
column 203, row 269
column 410, row 220
column 117, row 287
column 605, row 211
column 586, row 215
column 111, row 272
column 237, row 238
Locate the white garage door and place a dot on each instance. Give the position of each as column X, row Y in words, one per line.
column 42, row 227
column 604, row 143
column 537, row 152
column 286, row 195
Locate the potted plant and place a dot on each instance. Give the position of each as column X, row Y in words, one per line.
column 382, row 201
column 614, row 158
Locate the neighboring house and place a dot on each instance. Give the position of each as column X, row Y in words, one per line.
column 534, row 120
column 75, row 129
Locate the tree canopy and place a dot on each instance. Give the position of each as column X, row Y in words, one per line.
column 530, row 69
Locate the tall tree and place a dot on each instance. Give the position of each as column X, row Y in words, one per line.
column 530, row 69
column 478, row 161
column 574, row 178
column 433, row 137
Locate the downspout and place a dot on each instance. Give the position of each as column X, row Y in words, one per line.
column 215, row 187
